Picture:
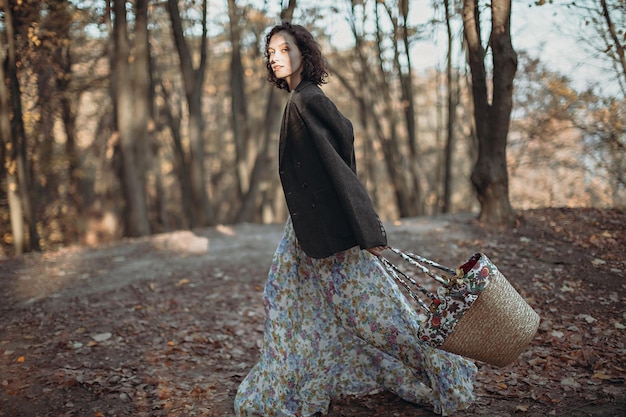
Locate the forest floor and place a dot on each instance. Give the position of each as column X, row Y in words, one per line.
column 170, row 324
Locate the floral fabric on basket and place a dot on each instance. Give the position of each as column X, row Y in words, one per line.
column 453, row 301
column 340, row 326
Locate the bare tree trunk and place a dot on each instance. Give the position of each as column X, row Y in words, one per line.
column 18, row 178
column 180, row 158
column 490, row 176
column 8, row 165
column 260, row 175
column 408, row 97
column 239, row 110
column 68, row 117
column 193, row 78
column 365, row 111
column 142, row 112
column 59, row 22
column 405, row 75
column 385, row 133
column 128, row 91
column 615, row 33
column 453, row 91
column 260, row 198
column 399, row 168
column 286, row 14
column 157, row 205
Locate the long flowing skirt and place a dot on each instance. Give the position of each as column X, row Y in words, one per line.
column 340, row 326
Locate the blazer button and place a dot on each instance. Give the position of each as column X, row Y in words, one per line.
column 298, row 164
column 313, row 205
column 305, row 185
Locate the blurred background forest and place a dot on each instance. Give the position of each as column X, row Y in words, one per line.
column 128, row 118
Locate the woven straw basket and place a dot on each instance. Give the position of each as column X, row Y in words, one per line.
column 478, row 314
column 497, row 328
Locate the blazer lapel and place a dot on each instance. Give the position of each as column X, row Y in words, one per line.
column 283, row 128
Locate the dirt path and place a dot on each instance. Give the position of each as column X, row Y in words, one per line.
column 169, row 325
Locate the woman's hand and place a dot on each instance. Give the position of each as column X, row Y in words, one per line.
column 377, row 250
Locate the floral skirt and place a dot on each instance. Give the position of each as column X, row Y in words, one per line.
column 340, row 326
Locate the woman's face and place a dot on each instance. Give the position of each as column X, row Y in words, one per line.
column 285, row 58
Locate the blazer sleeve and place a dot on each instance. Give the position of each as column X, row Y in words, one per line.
column 333, row 137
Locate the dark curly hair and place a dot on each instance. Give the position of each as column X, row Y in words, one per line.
column 314, row 63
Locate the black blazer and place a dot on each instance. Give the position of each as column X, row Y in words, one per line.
column 329, row 207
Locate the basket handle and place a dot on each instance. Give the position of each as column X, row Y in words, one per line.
column 418, row 261
column 402, row 279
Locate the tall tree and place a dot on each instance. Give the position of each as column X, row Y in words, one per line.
column 50, row 62
column 568, row 147
column 399, row 19
column 491, row 114
column 260, row 197
column 377, row 107
column 193, row 79
column 18, row 168
column 61, row 12
column 129, row 72
column 613, row 14
column 239, row 108
column 398, row 15
column 453, row 101
column 8, row 168
column 601, row 32
column 400, row 168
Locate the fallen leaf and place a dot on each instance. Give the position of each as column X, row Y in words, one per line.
column 602, row 375
column 589, row 319
column 226, row 230
column 182, row 282
column 522, row 408
column 569, row 382
column 101, row 337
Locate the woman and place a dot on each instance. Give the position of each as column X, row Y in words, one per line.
column 336, row 323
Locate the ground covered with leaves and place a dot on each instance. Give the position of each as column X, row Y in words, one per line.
column 169, row 325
